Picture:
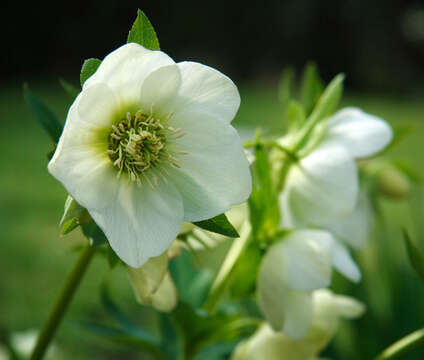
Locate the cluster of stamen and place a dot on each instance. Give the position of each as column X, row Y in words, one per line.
column 138, row 143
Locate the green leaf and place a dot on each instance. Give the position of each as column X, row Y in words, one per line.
column 89, row 67
column 220, row 225
column 286, row 86
column 44, row 115
column 94, row 233
column 70, row 89
column 414, row 254
column 295, row 115
column 326, row 105
column 192, row 283
column 311, row 87
column 73, row 215
column 143, row 33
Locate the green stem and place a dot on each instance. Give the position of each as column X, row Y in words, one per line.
column 62, row 302
column 403, row 345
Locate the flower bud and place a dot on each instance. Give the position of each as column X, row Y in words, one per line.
column 393, row 183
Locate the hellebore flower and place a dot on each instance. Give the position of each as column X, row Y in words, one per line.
column 327, row 309
column 291, row 270
column 323, row 185
column 148, row 144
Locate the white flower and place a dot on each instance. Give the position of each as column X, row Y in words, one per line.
column 291, row 270
column 327, row 309
column 324, row 184
column 23, row 343
column 148, row 144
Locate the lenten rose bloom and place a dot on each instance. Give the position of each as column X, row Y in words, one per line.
column 323, row 185
column 327, row 308
column 148, row 144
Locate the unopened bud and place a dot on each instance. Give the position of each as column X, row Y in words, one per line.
column 393, row 183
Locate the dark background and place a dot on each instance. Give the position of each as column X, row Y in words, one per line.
column 379, row 44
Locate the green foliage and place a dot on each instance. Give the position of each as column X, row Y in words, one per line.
column 220, row 225
column 263, row 203
column 193, row 284
column 242, row 286
column 415, row 256
column 311, row 87
column 70, row 89
column 94, row 234
column 295, row 115
column 89, row 67
column 286, row 86
column 329, row 100
column 44, row 115
column 143, row 33
column 72, row 216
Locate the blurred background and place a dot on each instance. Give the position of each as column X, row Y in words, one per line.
column 379, row 45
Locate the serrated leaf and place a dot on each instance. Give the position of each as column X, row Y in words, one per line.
column 295, row 115
column 94, row 233
column 286, row 86
column 70, row 89
column 414, row 254
column 89, row 67
column 71, row 216
column 44, row 115
column 220, row 225
column 143, row 33
column 311, row 87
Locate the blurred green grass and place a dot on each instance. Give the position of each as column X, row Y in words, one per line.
column 34, row 259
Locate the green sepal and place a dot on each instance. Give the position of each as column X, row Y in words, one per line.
column 89, row 67
column 220, row 225
column 415, row 256
column 94, row 234
column 311, row 87
column 143, row 33
column 70, row 89
column 74, row 214
column 47, row 119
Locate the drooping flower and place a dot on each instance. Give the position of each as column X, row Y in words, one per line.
column 148, row 144
column 323, row 185
column 292, row 269
column 327, row 310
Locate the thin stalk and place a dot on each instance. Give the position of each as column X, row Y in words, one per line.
column 62, row 302
column 403, row 345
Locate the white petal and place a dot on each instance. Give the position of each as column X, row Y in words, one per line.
column 139, row 222
column 355, row 228
column 125, row 69
column 215, row 173
column 286, row 310
column 344, row 263
column 349, row 308
column 307, row 259
column 206, row 91
column 323, row 186
column 159, row 89
column 80, row 159
column 361, row 133
column 97, row 105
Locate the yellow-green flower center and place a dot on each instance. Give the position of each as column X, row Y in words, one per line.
column 138, row 143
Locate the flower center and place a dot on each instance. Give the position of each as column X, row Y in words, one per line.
column 137, row 143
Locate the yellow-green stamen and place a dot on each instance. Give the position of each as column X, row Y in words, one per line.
column 138, row 143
